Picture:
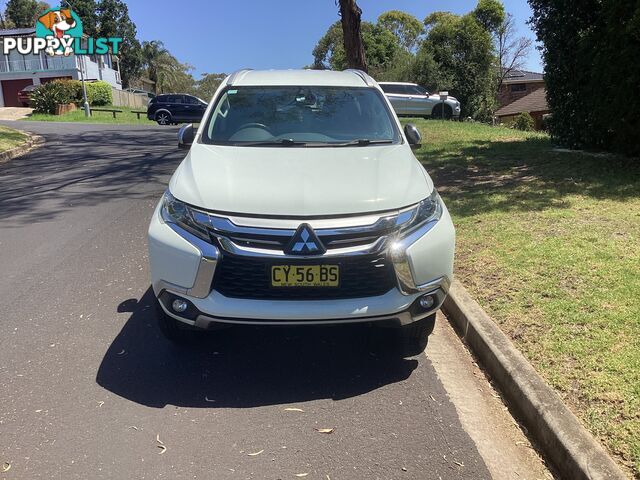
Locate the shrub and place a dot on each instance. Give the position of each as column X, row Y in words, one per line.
column 524, row 121
column 45, row 98
column 592, row 73
column 99, row 93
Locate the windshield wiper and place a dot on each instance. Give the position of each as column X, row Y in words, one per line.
column 362, row 142
column 287, row 142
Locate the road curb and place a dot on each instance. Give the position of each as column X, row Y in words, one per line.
column 565, row 443
column 33, row 142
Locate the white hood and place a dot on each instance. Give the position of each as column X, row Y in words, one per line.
column 292, row 181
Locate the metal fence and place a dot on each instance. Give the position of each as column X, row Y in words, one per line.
column 128, row 99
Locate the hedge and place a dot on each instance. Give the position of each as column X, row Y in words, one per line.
column 592, row 72
column 46, row 96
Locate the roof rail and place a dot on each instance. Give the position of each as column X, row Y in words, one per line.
column 363, row 75
column 234, row 76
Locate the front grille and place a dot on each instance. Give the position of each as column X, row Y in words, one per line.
column 249, row 277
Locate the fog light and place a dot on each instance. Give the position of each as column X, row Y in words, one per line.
column 427, row 302
column 179, row 305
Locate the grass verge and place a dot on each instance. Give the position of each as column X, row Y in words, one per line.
column 549, row 244
column 10, row 138
column 126, row 117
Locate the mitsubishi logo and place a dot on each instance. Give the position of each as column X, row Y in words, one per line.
column 305, row 242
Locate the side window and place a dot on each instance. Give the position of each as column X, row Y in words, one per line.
column 162, row 99
column 173, row 99
column 191, row 100
column 417, row 90
column 393, row 89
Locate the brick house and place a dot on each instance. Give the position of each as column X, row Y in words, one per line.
column 518, row 84
column 535, row 103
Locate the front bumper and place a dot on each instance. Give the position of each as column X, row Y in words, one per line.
column 184, row 265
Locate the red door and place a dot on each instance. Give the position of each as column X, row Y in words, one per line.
column 10, row 89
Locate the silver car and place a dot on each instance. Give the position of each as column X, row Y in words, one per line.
column 410, row 99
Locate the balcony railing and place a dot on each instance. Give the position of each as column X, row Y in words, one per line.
column 35, row 65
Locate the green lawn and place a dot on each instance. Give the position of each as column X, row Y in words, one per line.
column 10, row 138
column 549, row 243
column 97, row 117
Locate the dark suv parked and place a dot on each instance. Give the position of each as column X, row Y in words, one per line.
column 172, row 108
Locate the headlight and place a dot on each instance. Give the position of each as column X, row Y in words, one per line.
column 428, row 210
column 179, row 213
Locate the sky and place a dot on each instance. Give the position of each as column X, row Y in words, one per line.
column 223, row 36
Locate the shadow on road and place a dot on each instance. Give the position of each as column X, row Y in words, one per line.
column 85, row 165
column 243, row 367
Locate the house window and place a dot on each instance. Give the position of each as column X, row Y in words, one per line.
column 519, row 87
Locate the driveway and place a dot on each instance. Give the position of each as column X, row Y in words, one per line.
column 89, row 388
column 14, row 113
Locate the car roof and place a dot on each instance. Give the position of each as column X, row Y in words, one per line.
column 398, row 83
column 346, row 78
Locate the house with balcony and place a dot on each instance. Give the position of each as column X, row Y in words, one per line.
column 17, row 70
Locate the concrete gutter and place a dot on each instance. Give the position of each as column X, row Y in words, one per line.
column 33, row 142
column 565, row 443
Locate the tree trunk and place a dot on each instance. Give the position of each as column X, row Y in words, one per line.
column 350, row 15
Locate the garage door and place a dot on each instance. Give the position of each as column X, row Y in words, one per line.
column 10, row 89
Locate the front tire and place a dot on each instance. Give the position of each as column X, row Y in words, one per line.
column 163, row 118
column 436, row 113
column 415, row 336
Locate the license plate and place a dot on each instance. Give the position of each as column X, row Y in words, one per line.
column 305, row 276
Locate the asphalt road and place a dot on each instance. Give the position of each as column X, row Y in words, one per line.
column 89, row 388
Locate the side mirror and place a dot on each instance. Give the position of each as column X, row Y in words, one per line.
column 186, row 134
column 413, row 136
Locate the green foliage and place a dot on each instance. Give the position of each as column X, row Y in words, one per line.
column 380, row 45
column 456, row 54
column 86, row 10
column 113, row 21
column 463, row 50
column 425, row 71
column 22, row 13
column 592, row 73
column 208, row 84
column 404, row 26
column 165, row 70
column 490, row 14
column 524, row 122
column 99, row 93
column 45, row 98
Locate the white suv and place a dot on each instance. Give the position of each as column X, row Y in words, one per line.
column 300, row 202
column 410, row 99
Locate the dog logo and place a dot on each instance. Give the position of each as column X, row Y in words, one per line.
column 62, row 24
column 305, row 242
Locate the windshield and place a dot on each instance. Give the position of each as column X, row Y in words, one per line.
column 305, row 116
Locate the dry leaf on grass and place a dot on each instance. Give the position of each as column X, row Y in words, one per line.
column 6, row 466
column 301, row 474
column 293, row 410
column 255, row 453
column 324, row 430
